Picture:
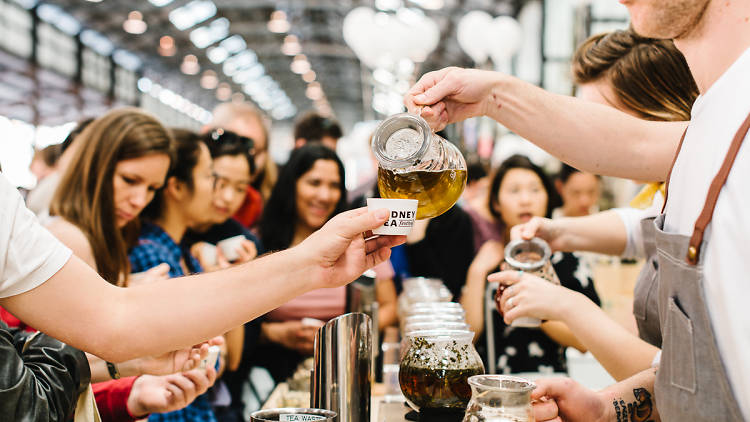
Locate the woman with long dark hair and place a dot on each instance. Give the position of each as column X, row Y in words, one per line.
column 310, row 190
column 520, row 191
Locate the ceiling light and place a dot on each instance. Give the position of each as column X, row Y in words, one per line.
column 160, row 3
column 314, row 91
column 291, row 46
column 209, row 80
column 387, row 5
column 217, row 54
column 278, row 23
column 430, row 4
column 97, row 42
column 206, row 35
column 224, row 92
column 192, row 14
column 134, row 24
column 126, row 60
column 300, row 65
column 145, row 84
column 233, row 44
column 56, row 16
column 250, row 74
column 239, row 61
column 190, row 65
column 166, row 46
column 309, row 76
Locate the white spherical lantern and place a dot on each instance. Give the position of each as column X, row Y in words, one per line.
column 473, row 33
column 505, row 39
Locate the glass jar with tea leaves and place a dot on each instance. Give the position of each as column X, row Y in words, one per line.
column 531, row 256
column 415, row 163
column 435, row 369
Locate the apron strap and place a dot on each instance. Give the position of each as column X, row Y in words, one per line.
column 671, row 167
column 713, row 193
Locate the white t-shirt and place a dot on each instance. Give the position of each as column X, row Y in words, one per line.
column 716, row 116
column 29, row 254
column 631, row 218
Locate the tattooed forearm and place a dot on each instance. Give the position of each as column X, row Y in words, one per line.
column 638, row 411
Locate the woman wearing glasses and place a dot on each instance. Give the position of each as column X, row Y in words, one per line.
column 233, row 167
column 183, row 201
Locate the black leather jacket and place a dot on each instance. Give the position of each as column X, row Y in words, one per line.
column 42, row 383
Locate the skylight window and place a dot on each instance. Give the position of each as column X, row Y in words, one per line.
column 206, row 35
column 192, row 14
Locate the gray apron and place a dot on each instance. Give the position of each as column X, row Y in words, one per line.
column 646, row 295
column 691, row 381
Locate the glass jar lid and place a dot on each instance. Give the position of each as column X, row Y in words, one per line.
column 401, row 139
column 527, row 255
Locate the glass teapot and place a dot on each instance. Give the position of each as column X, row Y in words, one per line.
column 435, row 369
column 415, row 163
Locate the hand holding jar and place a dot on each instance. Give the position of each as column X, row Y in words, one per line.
column 525, row 258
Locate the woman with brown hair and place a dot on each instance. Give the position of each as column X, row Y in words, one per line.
column 649, row 79
column 123, row 159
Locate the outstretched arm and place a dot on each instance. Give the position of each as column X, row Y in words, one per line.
column 619, row 351
column 562, row 399
column 588, row 136
column 78, row 307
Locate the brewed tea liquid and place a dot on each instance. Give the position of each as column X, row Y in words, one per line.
column 431, row 388
column 436, row 191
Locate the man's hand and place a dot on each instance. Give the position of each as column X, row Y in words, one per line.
column 452, row 94
column 564, row 400
column 338, row 250
column 167, row 393
column 540, row 227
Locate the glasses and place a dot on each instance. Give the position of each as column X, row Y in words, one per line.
column 220, row 136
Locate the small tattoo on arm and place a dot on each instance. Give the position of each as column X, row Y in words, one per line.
column 638, row 411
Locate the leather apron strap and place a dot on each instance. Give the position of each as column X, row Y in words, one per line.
column 671, row 167
column 713, row 193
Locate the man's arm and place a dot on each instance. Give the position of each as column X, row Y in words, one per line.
column 588, row 136
column 626, row 401
column 116, row 324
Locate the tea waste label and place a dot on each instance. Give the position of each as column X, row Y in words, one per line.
column 301, row 418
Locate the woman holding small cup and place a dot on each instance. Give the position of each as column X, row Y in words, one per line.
column 519, row 192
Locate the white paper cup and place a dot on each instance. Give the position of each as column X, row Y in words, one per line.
column 208, row 254
column 229, row 247
column 403, row 212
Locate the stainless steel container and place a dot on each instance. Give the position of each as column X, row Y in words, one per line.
column 342, row 377
column 293, row 414
column 361, row 297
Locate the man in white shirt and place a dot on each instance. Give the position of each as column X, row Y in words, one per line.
column 714, row 36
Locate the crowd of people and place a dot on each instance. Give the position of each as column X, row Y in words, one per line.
column 161, row 242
